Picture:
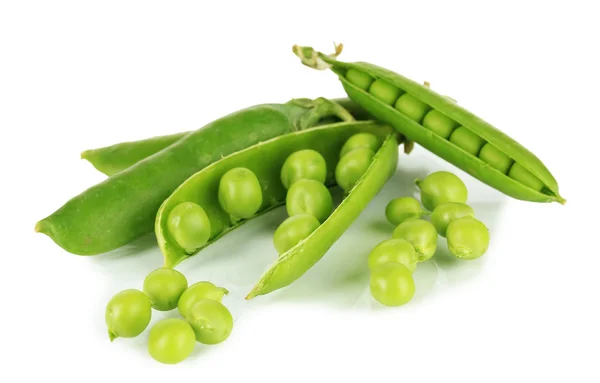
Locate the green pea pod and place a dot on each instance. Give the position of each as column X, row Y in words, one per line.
column 429, row 119
column 123, row 207
column 114, row 158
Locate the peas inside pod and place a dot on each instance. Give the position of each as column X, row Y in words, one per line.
column 189, row 226
column 240, row 193
column 301, row 165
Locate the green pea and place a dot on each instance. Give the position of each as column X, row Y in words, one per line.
column 309, row 197
column 171, row 341
column 303, row 164
column 293, row 230
column 127, row 314
column 240, row 193
column 189, row 226
column 164, row 287
column 197, row 292
column 446, row 213
column 439, row 123
column 441, row 187
column 524, row 176
column 421, row 234
column 467, row 140
column 385, row 92
column 211, row 321
column 468, row 238
column 395, row 251
column 358, row 78
column 361, row 140
column 402, row 209
column 392, row 284
column 411, row 107
column 352, row 166
column 495, row 158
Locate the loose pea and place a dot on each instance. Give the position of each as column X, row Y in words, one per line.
column 171, row 341
column 467, row 140
column 468, row 238
column 495, row 158
column 352, row 166
column 519, row 173
column 395, row 251
column 293, row 230
column 402, row 209
column 421, row 234
column 303, row 164
column 211, row 321
column 392, row 284
column 164, row 287
column 127, row 314
column 441, row 187
column 358, row 78
column 411, row 107
column 385, row 92
column 189, row 226
column 446, row 213
column 439, row 123
column 360, row 140
column 309, row 197
column 240, row 193
column 197, row 292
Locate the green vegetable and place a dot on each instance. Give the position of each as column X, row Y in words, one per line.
column 293, row 230
column 468, row 238
column 402, row 209
column 361, row 140
column 467, row 140
column 421, row 234
column 392, row 284
column 197, row 292
column 446, row 213
column 495, row 158
column 164, row 287
column 439, row 123
column 309, row 197
column 171, row 341
column 127, row 314
column 240, row 193
column 441, row 187
column 189, row 226
column 393, row 251
column 352, row 166
column 211, row 321
column 411, row 107
column 303, row 164
column 385, row 91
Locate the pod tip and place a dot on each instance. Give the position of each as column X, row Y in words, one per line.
column 40, row 226
column 84, row 154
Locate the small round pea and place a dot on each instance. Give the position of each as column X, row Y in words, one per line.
column 392, row 284
column 495, row 158
column 240, row 193
column 352, row 166
column 467, row 140
column 402, row 209
column 189, row 226
column 197, row 292
column 127, row 314
column 524, row 176
column 358, row 78
column 421, row 234
column 211, row 321
column 293, row 230
column 446, row 213
column 361, row 140
column 171, row 341
column 439, row 123
column 309, row 197
column 164, row 287
column 385, row 92
column 303, row 164
column 411, row 107
column 468, row 238
column 393, row 250
column 441, row 187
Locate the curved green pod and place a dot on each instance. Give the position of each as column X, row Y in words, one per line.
column 527, row 179
column 202, row 187
column 123, row 207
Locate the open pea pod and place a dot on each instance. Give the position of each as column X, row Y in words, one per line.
column 438, row 124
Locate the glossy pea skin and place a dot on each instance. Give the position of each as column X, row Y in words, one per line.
column 421, row 234
column 495, row 158
column 411, row 107
column 524, row 176
column 309, row 197
column 360, row 140
column 392, row 284
column 385, row 92
column 393, row 251
column 446, row 213
column 293, row 230
column 240, row 193
column 303, row 164
column 358, row 78
column 468, row 238
column 171, row 341
column 127, row 314
column 352, row 166
column 164, row 287
column 441, row 187
column 212, row 322
column 197, row 292
column 402, row 209
column 189, row 226
column 439, row 123
column 467, row 140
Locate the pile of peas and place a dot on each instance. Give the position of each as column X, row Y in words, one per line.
column 414, row 239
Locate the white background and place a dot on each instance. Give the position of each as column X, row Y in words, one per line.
column 83, row 74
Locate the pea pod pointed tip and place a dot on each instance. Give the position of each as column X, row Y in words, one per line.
column 83, row 155
column 43, row 227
